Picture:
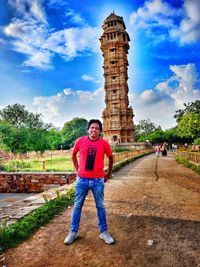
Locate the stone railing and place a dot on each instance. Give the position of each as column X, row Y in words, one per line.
column 194, row 157
column 126, row 154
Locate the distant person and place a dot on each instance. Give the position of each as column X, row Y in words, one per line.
column 172, row 147
column 90, row 169
column 185, row 145
column 157, row 150
column 164, row 149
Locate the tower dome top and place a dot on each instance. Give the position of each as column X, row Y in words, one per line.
column 113, row 17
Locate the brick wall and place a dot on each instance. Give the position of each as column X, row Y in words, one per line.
column 18, row 182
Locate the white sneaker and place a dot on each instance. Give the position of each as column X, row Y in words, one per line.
column 70, row 238
column 107, row 238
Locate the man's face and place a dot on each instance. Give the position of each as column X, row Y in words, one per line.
column 94, row 131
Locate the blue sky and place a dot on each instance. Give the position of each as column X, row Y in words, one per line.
column 50, row 58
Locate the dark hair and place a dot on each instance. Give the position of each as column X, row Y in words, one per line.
column 95, row 121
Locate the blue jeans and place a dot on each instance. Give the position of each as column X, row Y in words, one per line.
column 82, row 187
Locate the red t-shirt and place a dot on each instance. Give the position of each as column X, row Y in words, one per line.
column 91, row 156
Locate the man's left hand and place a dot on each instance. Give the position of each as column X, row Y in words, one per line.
column 106, row 178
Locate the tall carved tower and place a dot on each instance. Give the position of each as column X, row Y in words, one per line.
column 117, row 115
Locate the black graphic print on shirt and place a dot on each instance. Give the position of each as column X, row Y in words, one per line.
column 91, row 155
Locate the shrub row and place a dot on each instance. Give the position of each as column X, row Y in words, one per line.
column 187, row 163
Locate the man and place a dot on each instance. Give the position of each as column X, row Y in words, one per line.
column 90, row 170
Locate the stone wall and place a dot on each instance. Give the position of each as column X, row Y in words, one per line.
column 18, row 182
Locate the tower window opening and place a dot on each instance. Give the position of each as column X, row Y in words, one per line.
column 112, row 62
column 114, row 77
column 115, row 138
column 113, row 50
column 114, row 91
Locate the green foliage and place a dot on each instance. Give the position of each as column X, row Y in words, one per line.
column 72, row 130
column 118, row 149
column 14, row 234
column 51, row 164
column 197, row 141
column 144, row 130
column 54, row 139
column 15, row 165
column 18, row 117
column 22, row 131
column 190, row 107
column 189, row 125
column 7, row 133
column 187, row 163
column 144, row 127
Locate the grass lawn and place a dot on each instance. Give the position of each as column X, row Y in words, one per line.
column 47, row 164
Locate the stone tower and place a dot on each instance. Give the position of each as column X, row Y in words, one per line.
column 117, row 115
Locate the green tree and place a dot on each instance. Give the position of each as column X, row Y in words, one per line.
column 190, row 107
column 72, row 130
column 171, row 136
column 189, row 126
column 54, row 139
column 143, row 129
column 22, row 130
column 18, row 117
column 7, row 133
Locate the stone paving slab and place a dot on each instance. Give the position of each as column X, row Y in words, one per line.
column 14, row 206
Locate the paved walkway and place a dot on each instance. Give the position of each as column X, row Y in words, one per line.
column 14, row 206
column 153, row 208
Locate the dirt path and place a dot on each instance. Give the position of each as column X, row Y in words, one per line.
column 150, row 199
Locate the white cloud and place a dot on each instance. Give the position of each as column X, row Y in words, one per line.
column 30, row 30
column 41, row 59
column 73, row 42
column 186, row 75
column 29, row 8
column 189, row 29
column 160, row 103
column 74, row 17
column 149, row 96
column 68, row 91
column 38, row 39
column 68, row 104
column 87, row 77
column 154, row 13
column 182, row 23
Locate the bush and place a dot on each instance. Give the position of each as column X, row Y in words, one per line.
column 187, row 163
column 197, row 141
column 14, row 165
column 118, row 149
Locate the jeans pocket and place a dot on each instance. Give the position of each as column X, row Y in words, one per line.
column 101, row 180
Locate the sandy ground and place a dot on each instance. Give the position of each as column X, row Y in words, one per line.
column 150, row 199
